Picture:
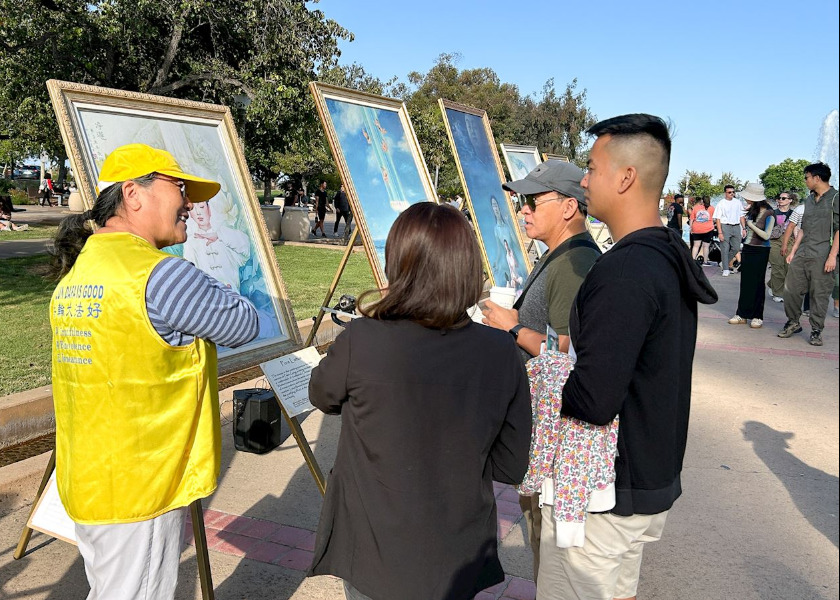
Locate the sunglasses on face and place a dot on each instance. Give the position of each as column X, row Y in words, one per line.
column 533, row 203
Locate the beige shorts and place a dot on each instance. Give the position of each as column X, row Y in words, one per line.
column 608, row 564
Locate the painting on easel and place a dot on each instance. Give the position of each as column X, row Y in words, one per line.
column 520, row 160
column 482, row 177
column 379, row 159
column 94, row 121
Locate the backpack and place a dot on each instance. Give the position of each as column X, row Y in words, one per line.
column 779, row 230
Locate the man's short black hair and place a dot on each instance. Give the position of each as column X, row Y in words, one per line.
column 820, row 169
column 728, row 187
column 635, row 124
column 678, row 197
column 640, row 129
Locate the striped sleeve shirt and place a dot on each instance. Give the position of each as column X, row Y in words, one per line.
column 183, row 303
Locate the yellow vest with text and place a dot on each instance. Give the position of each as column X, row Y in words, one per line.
column 137, row 420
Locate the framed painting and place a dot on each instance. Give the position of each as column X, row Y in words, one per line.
column 520, row 160
column 560, row 157
column 379, row 159
column 481, row 175
column 202, row 138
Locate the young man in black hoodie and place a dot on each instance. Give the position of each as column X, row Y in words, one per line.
column 633, row 327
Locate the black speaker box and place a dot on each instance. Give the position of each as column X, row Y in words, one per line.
column 258, row 424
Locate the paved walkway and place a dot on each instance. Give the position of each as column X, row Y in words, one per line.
column 758, row 518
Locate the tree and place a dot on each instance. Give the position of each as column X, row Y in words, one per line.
column 557, row 124
column 699, row 184
column 787, row 176
column 728, row 178
column 256, row 56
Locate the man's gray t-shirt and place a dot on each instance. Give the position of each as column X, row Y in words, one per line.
column 549, row 298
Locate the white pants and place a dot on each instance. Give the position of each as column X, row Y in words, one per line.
column 133, row 561
column 608, row 564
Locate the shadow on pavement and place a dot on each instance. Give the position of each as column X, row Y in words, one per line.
column 814, row 492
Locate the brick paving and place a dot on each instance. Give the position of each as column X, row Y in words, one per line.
column 292, row 547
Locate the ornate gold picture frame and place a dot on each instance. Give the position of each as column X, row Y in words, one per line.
column 560, row 157
column 520, row 160
column 480, row 169
column 203, row 139
column 379, row 159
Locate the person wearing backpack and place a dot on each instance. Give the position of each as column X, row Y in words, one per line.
column 778, row 264
column 702, row 230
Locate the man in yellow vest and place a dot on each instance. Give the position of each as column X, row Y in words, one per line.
column 134, row 372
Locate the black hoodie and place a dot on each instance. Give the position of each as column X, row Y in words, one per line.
column 633, row 326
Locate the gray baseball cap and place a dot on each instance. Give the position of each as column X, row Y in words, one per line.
column 551, row 176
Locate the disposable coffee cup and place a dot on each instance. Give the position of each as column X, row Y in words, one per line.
column 503, row 296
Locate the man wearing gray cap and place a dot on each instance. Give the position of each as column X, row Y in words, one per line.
column 555, row 214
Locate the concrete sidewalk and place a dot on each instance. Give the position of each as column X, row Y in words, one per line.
column 758, row 518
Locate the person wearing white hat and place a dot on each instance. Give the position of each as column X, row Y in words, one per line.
column 755, row 254
column 134, row 372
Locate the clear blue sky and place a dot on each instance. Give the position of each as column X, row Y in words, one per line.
column 745, row 83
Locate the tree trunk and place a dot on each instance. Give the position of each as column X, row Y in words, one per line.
column 267, row 189
column 62, row 172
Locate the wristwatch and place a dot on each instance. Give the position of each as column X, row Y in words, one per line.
column 514, row 331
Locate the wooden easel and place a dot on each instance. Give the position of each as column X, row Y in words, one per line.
column 196, row 515
column 331, row 291
column 294, row 422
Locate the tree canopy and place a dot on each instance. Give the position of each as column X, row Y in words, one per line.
column 256, row 56
column 787, row 176
column 699, row 184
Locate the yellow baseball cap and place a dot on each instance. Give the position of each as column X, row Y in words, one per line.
column 136, row 160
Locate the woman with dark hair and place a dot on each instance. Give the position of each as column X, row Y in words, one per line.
column 434, row 408
column 134, row 372
column 755, row 254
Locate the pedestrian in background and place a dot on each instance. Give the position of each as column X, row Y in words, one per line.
column 755, row 254
column 702, row 229
column 342, row 211
column 731, row 228
column 778, row 264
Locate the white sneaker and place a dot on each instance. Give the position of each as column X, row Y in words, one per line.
column 778, row 299
column 736, row 320
column 726, row 272
column 756, row 324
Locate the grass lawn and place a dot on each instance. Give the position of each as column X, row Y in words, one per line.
column 25, row 292
column 25, row 297
column 308, row 273
column 34, row 232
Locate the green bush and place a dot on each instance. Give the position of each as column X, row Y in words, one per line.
column 21, row 197
column 6, row 185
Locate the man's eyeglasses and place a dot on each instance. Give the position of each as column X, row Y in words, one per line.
column 181, row 186
column 730, row 191
column 533, row 203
